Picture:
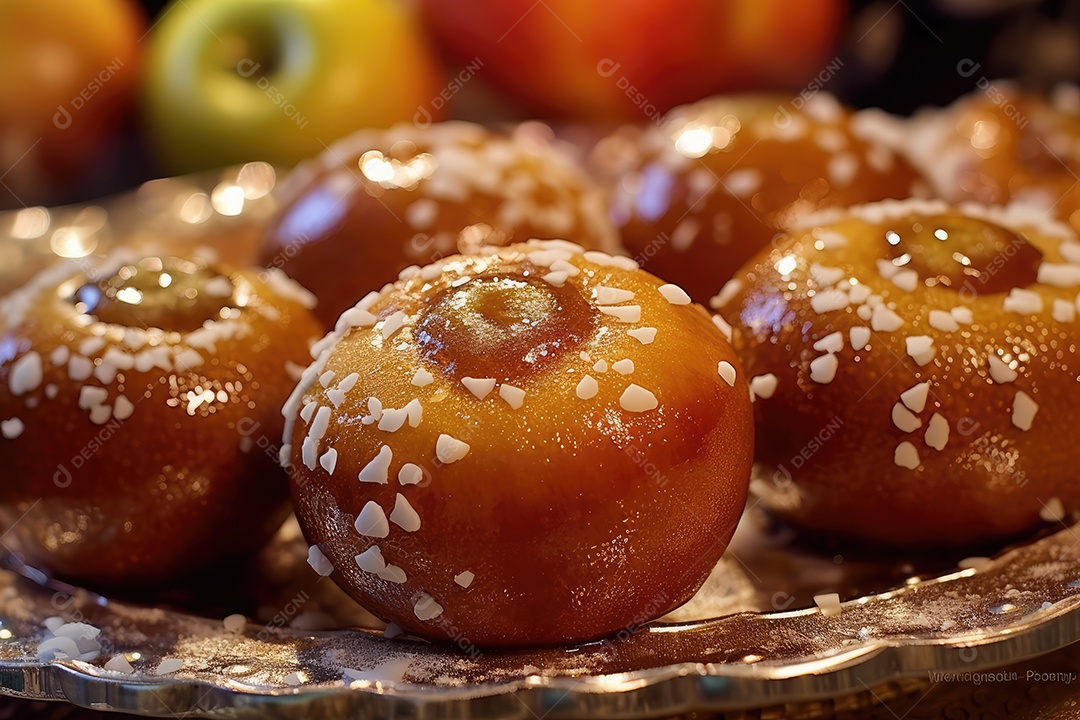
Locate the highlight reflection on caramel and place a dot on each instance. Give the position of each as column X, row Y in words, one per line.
column 505, row 327
column 168, row 293
column 952, row 250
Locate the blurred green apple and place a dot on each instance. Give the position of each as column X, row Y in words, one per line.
column 229, row 81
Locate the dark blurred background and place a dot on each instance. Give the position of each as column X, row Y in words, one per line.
column 894, row 54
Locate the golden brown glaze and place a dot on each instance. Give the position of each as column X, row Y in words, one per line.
column 380, row 201
column 607, row 458
column 1001, row 144
column 701, row 192
column 925, row 362
column 140, row 407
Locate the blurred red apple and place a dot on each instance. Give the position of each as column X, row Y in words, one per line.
column 626, row 60
column 68, row 72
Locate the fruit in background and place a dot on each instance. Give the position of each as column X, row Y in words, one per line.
column 230, row 81
column 632, row 60
column 68, row 71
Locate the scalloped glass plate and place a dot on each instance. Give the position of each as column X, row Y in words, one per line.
column 752, row 637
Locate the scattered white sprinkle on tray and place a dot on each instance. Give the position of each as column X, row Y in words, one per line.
column 120, row 664
column 978, row 563
column 234, row 623
column 168, row 666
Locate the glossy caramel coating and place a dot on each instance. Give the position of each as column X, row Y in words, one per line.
column 916, row 367
column 696, row 195
column 139, row 401
column 382, row 200
column 1001, row 144
column 607, row 459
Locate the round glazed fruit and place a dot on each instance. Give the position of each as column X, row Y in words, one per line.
column 527, row 446
column 915, row 367
column 137, row 400
column 698, row 194
column 380, row 201
column 1012, row 146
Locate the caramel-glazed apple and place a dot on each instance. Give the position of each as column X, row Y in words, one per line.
column 379, row 201
column 915, row 367
column 697, row 195
column 137, row 397
column 527, row 446
column 1014, row 146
